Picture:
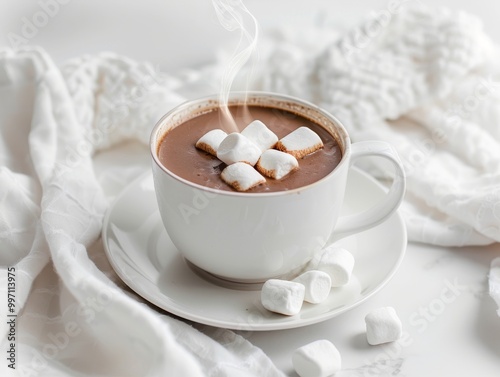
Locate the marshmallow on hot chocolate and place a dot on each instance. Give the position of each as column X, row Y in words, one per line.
column 382, row 326
column 338, row 263
column 276, row 164
column 317, row 285
column 241, row 176
column 210, row 141
column 282, row 296
column 237, row 148
column 300, row 143
column 262, row 136
column 317, row 359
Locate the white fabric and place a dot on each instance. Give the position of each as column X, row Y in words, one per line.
column 426, row 80
column 78, row 321
column 494, row 282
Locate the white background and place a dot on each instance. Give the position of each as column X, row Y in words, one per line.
column 464, row 340
column 185, row 33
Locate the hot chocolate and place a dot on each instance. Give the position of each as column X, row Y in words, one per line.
column 177, row 151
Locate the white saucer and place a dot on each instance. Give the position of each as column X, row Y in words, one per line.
column 142, row 254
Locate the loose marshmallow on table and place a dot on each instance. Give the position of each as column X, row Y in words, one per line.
column 210, row 141
column 282, row 296
column 317, row 359
column 338, row 263
column 237, row 148
column 241, row 176
column 383, row 325
column 262, row 136
column 317, row 284
column 276, row 164
column 300, row 143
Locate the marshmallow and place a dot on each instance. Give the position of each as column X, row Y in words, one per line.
column 210, row 141
column 237, row 148
column 383, row 325
column 276, row 164
column 317, row 285
column 282, row 296
column 241, row 176
column 317, row 359
column 300, row 143
column 262, row 136
column 338, row 263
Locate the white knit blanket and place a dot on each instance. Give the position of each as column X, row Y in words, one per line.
column 429, row 83
column 424, row 79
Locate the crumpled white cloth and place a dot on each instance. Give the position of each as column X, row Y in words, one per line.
column 79, row 319
column 494, row 282
column 425, row 80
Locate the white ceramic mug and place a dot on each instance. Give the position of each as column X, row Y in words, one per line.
column 252, row 237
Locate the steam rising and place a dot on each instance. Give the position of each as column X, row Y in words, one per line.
column 233, row 15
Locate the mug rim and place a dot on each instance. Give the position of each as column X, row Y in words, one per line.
column 155, row 140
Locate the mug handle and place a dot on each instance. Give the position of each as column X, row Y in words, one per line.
column 347, row 225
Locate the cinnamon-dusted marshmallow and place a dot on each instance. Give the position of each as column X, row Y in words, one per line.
column 237, row 148
column 241, row 176
column 262, row 136
column 300, row 143
column 276, row 164
column 210, row 141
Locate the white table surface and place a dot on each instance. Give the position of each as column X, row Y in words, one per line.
column 446, row 334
